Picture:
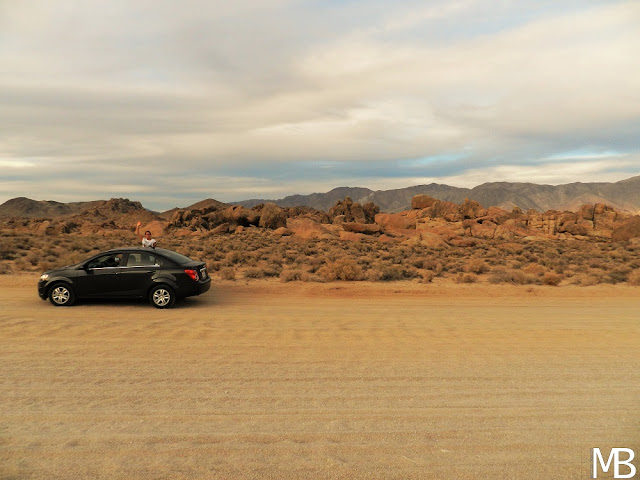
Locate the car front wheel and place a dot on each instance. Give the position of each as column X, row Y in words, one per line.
column 61, row 295
column 162, row 296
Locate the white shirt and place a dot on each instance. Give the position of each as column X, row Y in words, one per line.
column 148, row 243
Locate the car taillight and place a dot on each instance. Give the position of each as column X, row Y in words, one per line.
column 193, row 274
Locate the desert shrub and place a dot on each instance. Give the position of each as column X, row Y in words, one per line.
column 634, row 277
column 290, row 275
column 534, row 269
column 227, row 273
column 427, row 276
column 585, row 280
column 477, row 266
column 391, row 272
column 272, row 270
column 341, row 269
column 511, row 276
column 233, row 257
column 553, row 279
column 466, row 278
column 253, row 273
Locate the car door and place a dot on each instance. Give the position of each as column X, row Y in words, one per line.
column 99, row 277
column 136, row 275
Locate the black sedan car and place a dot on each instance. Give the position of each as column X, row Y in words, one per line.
column 157, row 274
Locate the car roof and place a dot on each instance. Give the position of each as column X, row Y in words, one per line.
column 136, row 249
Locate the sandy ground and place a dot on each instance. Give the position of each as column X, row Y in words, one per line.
column 272, row 380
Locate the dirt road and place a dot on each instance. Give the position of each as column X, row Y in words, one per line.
column 272, row 380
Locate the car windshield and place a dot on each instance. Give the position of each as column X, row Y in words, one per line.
column 176, row 257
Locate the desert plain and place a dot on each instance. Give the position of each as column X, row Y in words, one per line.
column 272, row 379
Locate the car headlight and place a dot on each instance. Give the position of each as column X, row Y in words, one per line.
column 44, row 277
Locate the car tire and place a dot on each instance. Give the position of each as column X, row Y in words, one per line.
column 61, row 295
column 162, row 296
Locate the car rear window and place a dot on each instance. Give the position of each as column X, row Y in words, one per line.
column 176, row 257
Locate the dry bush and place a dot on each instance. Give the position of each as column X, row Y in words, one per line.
column 634, row 277
column 290, row 275
column 534, row 269
column 553, row 279
column 427, row 276
column 512, row 276
column 253, row 273
column 617, row 275
column 477, row 266
column 342, row 269
column 466, row 278
column 585, row 280
column 227, row 273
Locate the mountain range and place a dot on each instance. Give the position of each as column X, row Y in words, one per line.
column 622, row 195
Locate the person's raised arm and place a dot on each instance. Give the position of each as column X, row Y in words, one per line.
column 138, row 229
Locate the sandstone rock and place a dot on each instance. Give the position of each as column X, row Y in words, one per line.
column 419, row 202
column 339, row 219
column 586, row 212
column 222, row 228
column 370, row 211
column 573, row 229
column 352, row 236
column 486, row 229
column 353, row 212
column 365, row 228
column 453, row 217
column 305, row 228
column 394, row 221
column 432, row 240
column 600, row 208
column 472, row 209
column 272, row 216
column 387, row 239
column 439, row 209
column 239, row 229
column 282, row 231
column 627, row 230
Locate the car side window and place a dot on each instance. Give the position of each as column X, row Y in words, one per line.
column 142, row 259
column 106, row 261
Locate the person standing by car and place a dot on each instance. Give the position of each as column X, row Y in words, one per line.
column 147, row 241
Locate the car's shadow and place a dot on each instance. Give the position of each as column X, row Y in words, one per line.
column 138, row 302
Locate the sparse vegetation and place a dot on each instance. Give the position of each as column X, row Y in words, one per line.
column 258, row 254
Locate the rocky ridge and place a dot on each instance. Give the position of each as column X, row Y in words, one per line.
column 429, row 222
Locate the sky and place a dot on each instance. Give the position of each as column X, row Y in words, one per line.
column 170, row 102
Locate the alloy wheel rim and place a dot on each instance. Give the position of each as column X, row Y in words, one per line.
column 60, row 295
column 161, row 297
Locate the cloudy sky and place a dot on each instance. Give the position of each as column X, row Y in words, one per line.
column 171, row 102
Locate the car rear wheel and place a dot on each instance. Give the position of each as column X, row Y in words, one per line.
column 61, row 295
column 162, row 296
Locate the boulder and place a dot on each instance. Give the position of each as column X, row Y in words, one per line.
column 272, row 216
column 586, row 212
column 367, row 229
column 282, row 231
column 440, row 209
column 352, row 236
column 471, row 209
column 222, row 228
column 419, row 202
column 394, row 221
column 305, row 228
column 627, row 230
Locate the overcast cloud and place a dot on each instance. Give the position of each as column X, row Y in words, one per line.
column 171, row 102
